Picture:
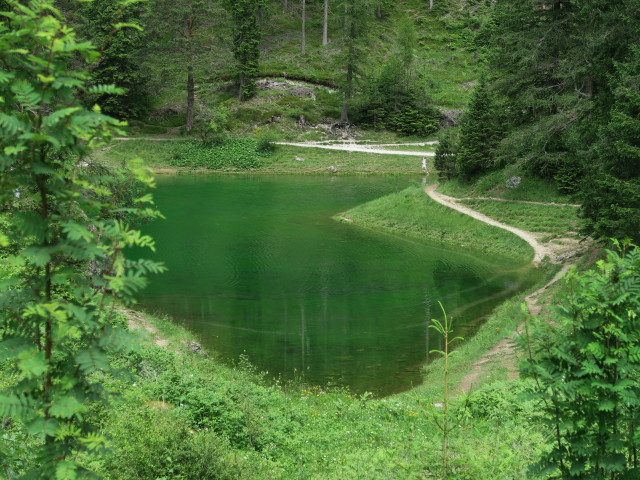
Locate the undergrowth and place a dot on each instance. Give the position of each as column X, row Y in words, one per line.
column 236, row 153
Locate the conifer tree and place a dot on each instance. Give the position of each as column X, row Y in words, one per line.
column 610, row 194
column 118, row 64
column 246, row 43
column 479, row 135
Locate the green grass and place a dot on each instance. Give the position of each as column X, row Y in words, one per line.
column 494, row 185
column 183, row 414
column 159, row 155
column 552, row 219
column 412, row 213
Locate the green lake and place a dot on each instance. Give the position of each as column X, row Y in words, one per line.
column 258, row 267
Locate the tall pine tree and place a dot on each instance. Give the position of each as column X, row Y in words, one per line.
column 479, row 134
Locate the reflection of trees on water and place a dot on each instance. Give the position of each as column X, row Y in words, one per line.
column 329, row 300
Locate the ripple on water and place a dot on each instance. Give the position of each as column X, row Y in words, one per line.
column 261, row 269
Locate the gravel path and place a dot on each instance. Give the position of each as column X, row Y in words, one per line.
column 354, row 147
column 539, row 250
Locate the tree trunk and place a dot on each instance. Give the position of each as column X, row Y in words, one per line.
column 325, row 24
column 344, row 117
column 378, row 11
column 190, row 99
column 304, row 27
column 260, row 15
column 286, row 4
column 430, row 4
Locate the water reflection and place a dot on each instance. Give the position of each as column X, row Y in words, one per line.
column 258, row 267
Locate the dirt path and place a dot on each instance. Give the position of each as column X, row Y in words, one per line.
column 540, row 251
column 355, row 147
column 137, row 321
column 505, row 350
column 546, row 204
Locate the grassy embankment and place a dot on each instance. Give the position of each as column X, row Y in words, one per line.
column 182, row 413
column 412, row 213
column 174, row 156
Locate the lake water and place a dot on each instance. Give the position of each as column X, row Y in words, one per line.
column 257, row 267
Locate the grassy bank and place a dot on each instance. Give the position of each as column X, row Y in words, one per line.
column 554, row 220
column 495, row 185
column 412, row 213
column 167, row 156
column 182, row 415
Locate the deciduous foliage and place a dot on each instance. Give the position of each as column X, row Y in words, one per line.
column 67, row 236
column 586, row 364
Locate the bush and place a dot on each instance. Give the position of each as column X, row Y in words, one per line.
column 155, row 441
column 266, row 142
column 236, row 153
column 446, row 153
column 586, row 364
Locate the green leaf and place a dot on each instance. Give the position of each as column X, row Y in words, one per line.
column 32, row 363
column 39, row 256
column 92, row 360
column 41, row 426
column 67, row 407
column 66, row 470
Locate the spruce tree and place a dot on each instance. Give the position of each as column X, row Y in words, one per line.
column 479, row 135
column 118, row 64
column 611, row 192
column 246, row 43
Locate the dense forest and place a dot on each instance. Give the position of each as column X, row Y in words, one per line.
column 540, row 92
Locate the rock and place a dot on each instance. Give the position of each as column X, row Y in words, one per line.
column 513, row 182
column 299, row 159
column 195, row 347
column 449, row 118
column 332, row 169
column 566, row 256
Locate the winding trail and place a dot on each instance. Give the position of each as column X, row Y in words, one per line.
column 540, row 251
column 504, row 351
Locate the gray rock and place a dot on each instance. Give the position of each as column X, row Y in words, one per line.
column 299, row 159
column 196, row 348
column 513, row 182
column 332, row 169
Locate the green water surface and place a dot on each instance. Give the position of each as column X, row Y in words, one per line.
column 257, row 267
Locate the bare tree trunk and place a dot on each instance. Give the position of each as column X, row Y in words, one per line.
column 190, row 99
column 286, row 4
column 344, row 116
column 430, row 4
column 260, row 15
column 304, row 27
column 379, row 11
column 325, row 24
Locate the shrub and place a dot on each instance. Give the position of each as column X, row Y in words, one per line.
column 586, row 365
column 236, row 153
